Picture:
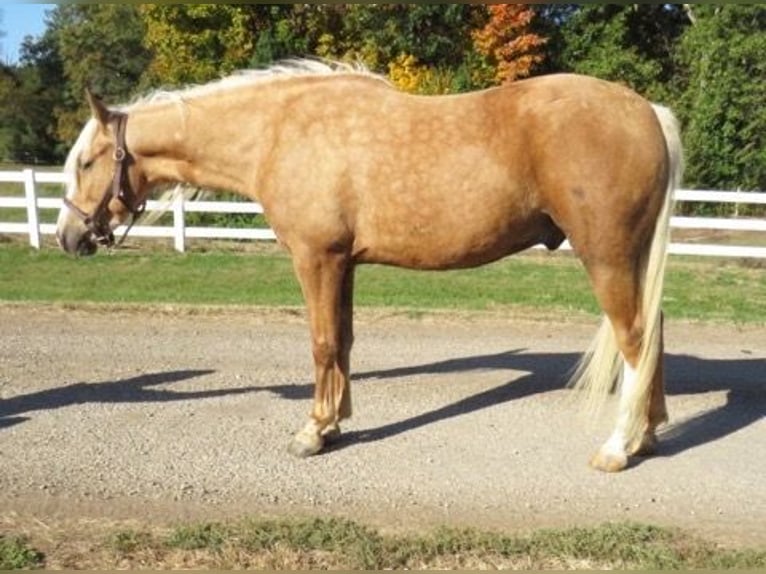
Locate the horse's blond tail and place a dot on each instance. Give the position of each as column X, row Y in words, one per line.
column 600, row 366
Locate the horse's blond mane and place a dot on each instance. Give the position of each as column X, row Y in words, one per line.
column 280, row 71
column 284, row 69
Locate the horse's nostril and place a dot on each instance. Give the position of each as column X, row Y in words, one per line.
column 86, row 246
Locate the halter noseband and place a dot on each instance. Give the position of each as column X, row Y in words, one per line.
column 119, row 188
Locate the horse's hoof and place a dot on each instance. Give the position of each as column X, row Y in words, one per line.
column 304, row 446
column 331, row 433
column 609, row 461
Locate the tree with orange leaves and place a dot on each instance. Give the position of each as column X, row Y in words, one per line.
column 508, row 43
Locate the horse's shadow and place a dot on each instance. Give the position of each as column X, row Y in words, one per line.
column 133, row 390
column 741, row 379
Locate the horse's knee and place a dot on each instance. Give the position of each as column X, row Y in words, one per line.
column 325, row 352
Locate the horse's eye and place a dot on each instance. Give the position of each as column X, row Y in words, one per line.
column 86, row 165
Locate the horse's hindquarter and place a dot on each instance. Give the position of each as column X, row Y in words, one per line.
column 601, row 162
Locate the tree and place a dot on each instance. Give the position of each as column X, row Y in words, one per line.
column 631, row 44
column 29, row 96
column 436, row 35
column 2, row 35
column 9, row 88
column 195, row 43
column 423, row 48
column 101, row 47
column 511, row 49
column 724, row 54
column 295, row 30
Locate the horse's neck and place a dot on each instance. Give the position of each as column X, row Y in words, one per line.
column 195, row 144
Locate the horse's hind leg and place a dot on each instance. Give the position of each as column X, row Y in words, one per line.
column 327, row 282
column 618, row 291
column 646, row 444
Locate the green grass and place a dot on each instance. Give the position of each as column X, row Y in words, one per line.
column 17, row 554
column 146, row 277
column 695, row 290
column 333, row 543
column 698, row 290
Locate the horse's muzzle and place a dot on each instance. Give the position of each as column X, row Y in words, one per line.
column 76, row 242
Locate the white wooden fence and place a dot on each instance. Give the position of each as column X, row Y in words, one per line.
column 179, row 232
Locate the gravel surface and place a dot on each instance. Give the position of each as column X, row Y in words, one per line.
column 160, row 415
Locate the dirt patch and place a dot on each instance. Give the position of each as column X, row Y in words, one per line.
column 159, row 415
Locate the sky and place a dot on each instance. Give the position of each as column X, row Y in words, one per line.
column 18, row 20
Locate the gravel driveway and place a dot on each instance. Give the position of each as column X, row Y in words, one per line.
column 160, row 415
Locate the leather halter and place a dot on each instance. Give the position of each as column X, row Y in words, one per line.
column 119, row 188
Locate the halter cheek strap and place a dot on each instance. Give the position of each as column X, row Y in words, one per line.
column 119, row 188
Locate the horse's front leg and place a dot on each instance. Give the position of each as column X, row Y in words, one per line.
column 327, row 284
column 332, row 431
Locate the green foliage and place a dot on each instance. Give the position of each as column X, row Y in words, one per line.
column 632, row 44
column 724, row 57
column 706, row 61
column 436, row 35
column 195, row 43
column 291, row 30
column 10, row 147
column 29, row 96
column 209, row 535
column 17, row 554
column 101, row 47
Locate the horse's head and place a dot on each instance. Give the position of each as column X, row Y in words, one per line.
column 105, row 186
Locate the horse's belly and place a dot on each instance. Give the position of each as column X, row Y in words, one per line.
column 465, row 243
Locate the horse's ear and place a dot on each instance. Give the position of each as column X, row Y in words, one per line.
column 100, row 112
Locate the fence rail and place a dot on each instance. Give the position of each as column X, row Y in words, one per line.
column 179, row 232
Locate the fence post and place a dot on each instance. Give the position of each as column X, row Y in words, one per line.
column 179, row 223
column 33, row 221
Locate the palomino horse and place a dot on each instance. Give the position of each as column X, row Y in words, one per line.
column 349, row 170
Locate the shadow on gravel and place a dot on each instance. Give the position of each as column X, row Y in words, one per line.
column 743, row 380
column 133, row 390
column 547, row 372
